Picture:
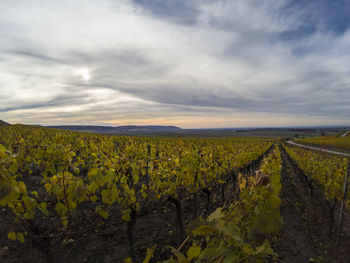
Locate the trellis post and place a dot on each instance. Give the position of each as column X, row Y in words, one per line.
column 345, row 188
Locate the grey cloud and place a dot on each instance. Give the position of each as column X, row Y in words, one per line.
column 129, row 57
column 5, row 96
column 183, row 11
column 58, row 100
column 34, row 55
column 214, row 97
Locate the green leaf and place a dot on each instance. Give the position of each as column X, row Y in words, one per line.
column 203, row 230
column 247, row 249
column 30, row 205
column 102, row 212
column 93, row 198
column 149, row 254
column 126, row 215
column 216, row 215
column 193, row 252
column 13, row 169
column 109, row 196
column 233, row 231
column 264, row 249
column 61, row 210
column 180, row 257
column 43, row 208
column 233, row 256
column 256, row 210
column 209, row 253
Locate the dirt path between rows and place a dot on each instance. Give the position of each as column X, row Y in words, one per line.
column 306, row 225
column 344, row 134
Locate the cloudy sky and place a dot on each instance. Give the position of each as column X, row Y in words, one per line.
column 205, row 63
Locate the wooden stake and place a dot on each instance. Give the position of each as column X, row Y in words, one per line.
column 345, row 188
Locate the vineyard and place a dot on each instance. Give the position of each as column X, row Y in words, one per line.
column 79, row 197
column 336, row 142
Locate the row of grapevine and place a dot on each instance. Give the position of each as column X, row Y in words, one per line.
column 238, row 231
column 328, row 141
column 328, row 170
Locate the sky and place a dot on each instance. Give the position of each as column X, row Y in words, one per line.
column 193, row 64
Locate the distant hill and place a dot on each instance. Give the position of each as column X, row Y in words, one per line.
column 3, row 123
column 119, row 129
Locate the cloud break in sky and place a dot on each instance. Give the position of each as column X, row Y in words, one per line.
column 195, row 64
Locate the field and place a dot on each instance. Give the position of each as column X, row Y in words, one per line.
column 340, row 141
column 81, row 197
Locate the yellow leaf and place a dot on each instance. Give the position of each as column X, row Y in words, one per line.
column 193, row 252
column 19, row 208
column 20, row 237
column 126, row 215
column 93, row 198
column 13, row 169
column 138, row 207
column 43, row 208
column 12, row 236
column 22, row 187
column 216, row 215
column 48, row 187
column 102, row 212
column 203, row 230
column 149, row 254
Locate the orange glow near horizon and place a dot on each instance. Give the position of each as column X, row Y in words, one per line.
column 188, row 122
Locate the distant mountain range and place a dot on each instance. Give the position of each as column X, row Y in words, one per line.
column 119, row 129
column 3, row 123
column 173, row 131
